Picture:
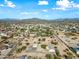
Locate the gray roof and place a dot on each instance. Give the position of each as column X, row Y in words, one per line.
column 50, row 46
column 23, row 57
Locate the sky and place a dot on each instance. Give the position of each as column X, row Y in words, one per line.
column 44, row 9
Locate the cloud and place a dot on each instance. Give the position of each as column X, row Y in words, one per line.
column 59, row 8
column 75, row 5
column 8, row 4
column 29, row 13
column 47, row 16
column 45, row 10
column 65, row 4
column 24, row 13
column 1, row 5
column 43, row 2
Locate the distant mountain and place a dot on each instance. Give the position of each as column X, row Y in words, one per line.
column 32, row 20
column 37, row 20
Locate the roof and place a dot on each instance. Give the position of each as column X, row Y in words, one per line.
column 77, row 49
column 50, row 46
column 23, row 57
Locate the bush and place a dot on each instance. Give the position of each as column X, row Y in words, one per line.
column 74, row 38
column 18, row 50
column 69, row 57
column 57, row 52
column 56, row 57
column 43, row 46
column 27, row 43
column 69, row 53
column 4, row 37
column 52, row 42
column 48, row 56
column 43, row 39
column 39, row 39
column 23, row 47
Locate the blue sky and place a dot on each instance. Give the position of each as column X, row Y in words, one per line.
column 45, row 9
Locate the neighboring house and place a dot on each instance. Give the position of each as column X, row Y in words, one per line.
column 50, row 48
column 32, row 47
column 3, row 34
column 23, row 57
column 75, row 48
column 77, row 51
column 35, row 45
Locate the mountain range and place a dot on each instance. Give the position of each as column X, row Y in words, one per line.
column 38, row 20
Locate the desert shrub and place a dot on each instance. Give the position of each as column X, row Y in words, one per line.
column 43, row 39
column 23, row 47
column 18, row 50
column 48, row 56
column 52, row 42
column 43, row 46
column 74, row 38
column 56, row 57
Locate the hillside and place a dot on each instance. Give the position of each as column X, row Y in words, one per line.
column 37, row 20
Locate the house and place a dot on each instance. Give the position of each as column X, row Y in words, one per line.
column 77, row 51
column 75, row 48
column 23, row 57
column 50, row 48
column 35, row 45
column 32, row 47
column 3, row 34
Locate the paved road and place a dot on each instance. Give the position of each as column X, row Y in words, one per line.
column 65, row 45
